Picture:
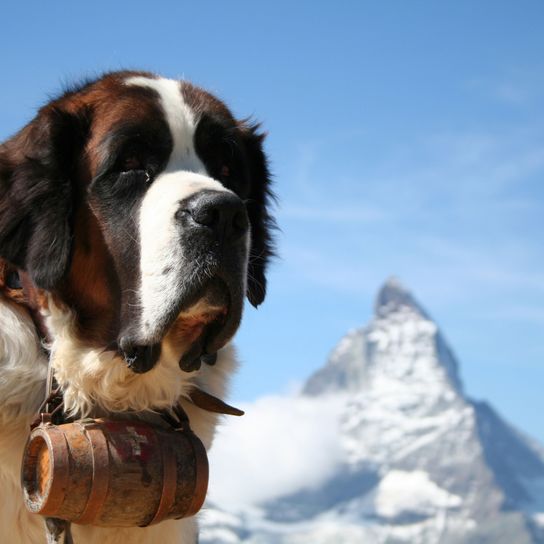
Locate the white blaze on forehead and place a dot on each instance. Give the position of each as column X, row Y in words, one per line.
column 161, row 252
column 181, row 121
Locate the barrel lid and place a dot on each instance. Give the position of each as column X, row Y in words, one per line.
column 45, row 470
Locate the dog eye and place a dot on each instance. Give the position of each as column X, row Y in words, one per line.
column 225, row 172
column 131, row 162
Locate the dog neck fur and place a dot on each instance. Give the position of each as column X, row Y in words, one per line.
column 95, row 381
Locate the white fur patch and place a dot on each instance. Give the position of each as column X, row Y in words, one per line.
column 23, row 365
column 180, row 119
column 23, row 368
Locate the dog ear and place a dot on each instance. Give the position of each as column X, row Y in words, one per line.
column 262, row 223
column 36, row 195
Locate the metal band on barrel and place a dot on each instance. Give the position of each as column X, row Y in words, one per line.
column 169, row 482
column 201, row 475
column 101, row 478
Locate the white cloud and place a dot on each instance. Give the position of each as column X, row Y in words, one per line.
column 402, row 492
column 282, row 444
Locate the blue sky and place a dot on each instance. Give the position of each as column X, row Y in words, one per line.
column 406, row 138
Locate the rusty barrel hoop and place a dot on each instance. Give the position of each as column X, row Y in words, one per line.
column 100, row 477
column 202, row 476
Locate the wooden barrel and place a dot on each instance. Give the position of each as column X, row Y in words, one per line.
column 114, row 473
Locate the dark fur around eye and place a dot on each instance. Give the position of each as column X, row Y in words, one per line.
column 135, row 147
column 133, row 156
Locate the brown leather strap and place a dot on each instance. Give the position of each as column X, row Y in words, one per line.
column 100, row 482
column 212, row 404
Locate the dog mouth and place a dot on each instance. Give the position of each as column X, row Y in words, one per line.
column 201, row 330
column 203, row 326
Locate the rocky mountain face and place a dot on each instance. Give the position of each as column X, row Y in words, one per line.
column 422, row 463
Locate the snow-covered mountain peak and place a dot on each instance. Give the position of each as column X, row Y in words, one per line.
column 394, row 297
column 400, row 348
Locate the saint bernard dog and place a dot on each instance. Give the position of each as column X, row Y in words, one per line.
column 138, row 207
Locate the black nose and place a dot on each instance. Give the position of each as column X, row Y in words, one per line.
column 139, row 358
column 224, row 213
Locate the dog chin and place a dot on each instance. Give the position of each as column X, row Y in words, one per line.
column 207, row 321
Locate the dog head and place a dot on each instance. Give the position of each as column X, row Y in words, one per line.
column 140, row 204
